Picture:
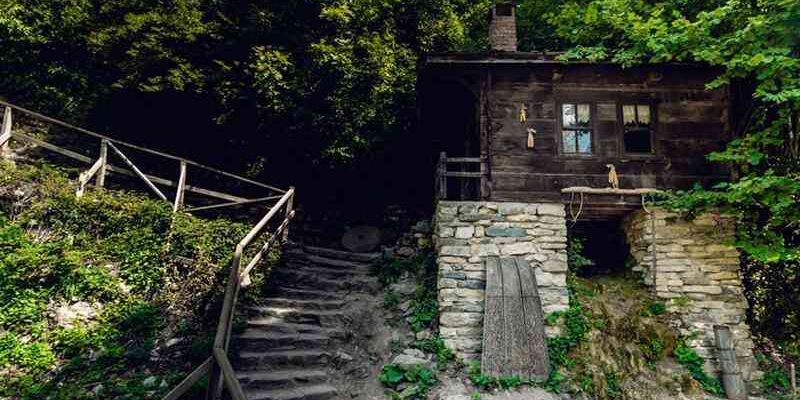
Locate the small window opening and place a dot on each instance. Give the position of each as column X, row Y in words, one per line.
column 638, row 131
column 576, row 129
column 504, row 10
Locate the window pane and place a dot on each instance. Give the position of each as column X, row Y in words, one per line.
column 644, row 114
column 583, row 114
column 568, row 115
column 568, row 138
column 584, row 142
column 628, row 115
column 638, row 140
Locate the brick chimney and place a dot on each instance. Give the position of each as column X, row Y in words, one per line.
column 503, row 26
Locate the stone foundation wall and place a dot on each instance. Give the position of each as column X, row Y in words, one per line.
column 466, row 233
column 697, row 275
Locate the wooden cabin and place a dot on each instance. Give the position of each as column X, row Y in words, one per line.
column 520, row 127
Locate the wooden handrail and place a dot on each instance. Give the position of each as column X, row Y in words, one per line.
column 101, row 165
column 67, row 125
column 219, row 370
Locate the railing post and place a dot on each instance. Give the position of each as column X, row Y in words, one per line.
column 443, row 176
column 5, row 133
column 100, row 181
column 180, row 190
column 289, row 209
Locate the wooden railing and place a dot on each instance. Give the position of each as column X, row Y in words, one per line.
column 217, row 367
column 463, row 177
column 101, row 166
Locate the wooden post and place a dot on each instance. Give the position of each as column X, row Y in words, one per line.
column 180, row 190
column 5, row 133
column 289, row 209
column 442, row 176
column 793, row 377
column 100, row 181
column 731, row 375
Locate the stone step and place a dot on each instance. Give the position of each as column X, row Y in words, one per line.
column 254, row 340
column 311, row 392
column 322, row 318
column 336, row 263
column 302, row 294
column 311, row 280
column 343, row 254
column 289, row 271
column 284, row 302
column 280, row 359
column 273, row 324
column 281, row 379
column 305, row 263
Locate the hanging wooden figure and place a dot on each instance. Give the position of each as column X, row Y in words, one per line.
column 531, row 138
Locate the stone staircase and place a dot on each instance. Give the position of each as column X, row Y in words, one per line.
column 289, row 347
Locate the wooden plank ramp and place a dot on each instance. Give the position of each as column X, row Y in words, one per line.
column 513, row 329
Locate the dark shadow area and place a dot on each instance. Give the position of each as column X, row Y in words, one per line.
column 604, row 244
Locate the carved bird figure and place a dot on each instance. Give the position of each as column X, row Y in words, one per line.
column 613, row 178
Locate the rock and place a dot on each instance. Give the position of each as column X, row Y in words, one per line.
column 404, row 287
column 342, row 356
column 173, row 342
column 422, row 227
column 414, row 353
column 405, row 306
column 407, row 361
column 405, row 252
column 68, row 315
column 424, row 335
column 361, row 239
column 150, row 381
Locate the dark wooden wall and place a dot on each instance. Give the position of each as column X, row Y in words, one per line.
column 690, row 122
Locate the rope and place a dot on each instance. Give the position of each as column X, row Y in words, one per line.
column 571, row 208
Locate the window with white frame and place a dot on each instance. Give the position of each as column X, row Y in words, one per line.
column 576, row 128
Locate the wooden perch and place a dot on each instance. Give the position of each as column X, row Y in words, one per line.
column 588, row 190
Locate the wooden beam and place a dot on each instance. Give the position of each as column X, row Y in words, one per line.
column 464, row 159
column 189, row 381
column 101, row 175
column 588, row 190
column 494, row 356
column 54, row 121
column 87, row 175
column 180, row 189
column 456, row 174
column 231, row 382
column 5, row 133
column 234, row 203
column 138, row 172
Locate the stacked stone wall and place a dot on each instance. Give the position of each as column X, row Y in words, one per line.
column 696, row 274
column 466, row 233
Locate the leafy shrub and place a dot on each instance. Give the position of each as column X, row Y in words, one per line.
column 420, row 380
column 435, row 345
column 689, row 358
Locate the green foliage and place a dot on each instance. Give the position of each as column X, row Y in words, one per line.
column 419, row 380
column 435, row 345
column 576, row 326
column 486, row 382
column 575, row 258
column 689, row 358
column 116, row 252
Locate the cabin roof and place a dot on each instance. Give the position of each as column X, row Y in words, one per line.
column 495, row 57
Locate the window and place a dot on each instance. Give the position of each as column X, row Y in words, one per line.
column 637, row 125
column 576, row 129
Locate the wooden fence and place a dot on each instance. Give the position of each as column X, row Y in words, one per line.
column 217, row 367
column 471, row 184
